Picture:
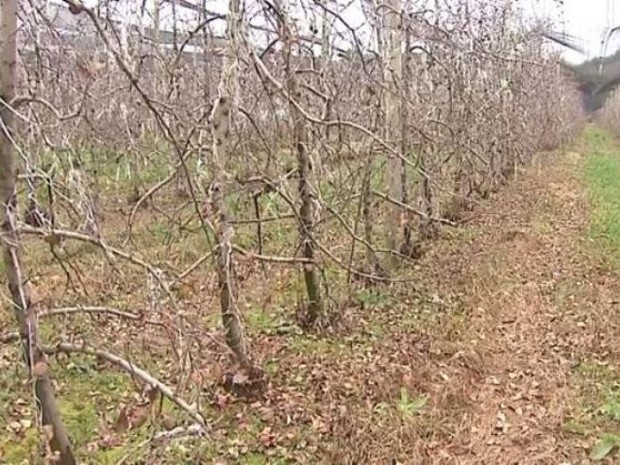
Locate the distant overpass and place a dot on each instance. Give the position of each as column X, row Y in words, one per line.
column 596, row 78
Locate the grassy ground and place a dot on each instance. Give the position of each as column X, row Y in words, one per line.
column 596, row 379
column 602, row 173
column 501, row 350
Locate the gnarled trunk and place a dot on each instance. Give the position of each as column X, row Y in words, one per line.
column 223, row 112
column 307, row 207
column 18, row 287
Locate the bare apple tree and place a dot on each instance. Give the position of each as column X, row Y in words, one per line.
column 320, row 153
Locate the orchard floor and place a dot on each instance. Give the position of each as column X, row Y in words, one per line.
column 505, row 350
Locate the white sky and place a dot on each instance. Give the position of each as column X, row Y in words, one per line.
column 587, row 20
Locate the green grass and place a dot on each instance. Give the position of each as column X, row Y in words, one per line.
column 602, row 176
column 595, row 413
column 87, row 397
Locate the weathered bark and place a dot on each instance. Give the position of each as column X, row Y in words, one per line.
column 151, row 59
column 230, row 313
column 223, row 110
column 392, row 75
column 371, row 256
column 314, row 310
column 325, row 63
column 366, row 198
column 306, row 213
column 428, row 228
column 408, row 246
column 18, row 287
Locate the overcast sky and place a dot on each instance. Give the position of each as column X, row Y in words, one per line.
column 587, row 20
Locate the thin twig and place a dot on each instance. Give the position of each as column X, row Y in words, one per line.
column 67, row 348
column 90, row 309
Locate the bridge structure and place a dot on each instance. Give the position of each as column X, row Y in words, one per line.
column 596, row 78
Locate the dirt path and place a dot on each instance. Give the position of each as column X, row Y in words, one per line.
column 528, row 290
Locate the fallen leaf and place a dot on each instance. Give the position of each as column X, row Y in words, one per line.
column 122, row 422
column 139, row 415
column 240, row 377
column 221, row 400
column 168, row 421
column 39, row 369
column 48, row 432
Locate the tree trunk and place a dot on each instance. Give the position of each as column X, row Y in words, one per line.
column 224, row 109
column 231, row 320
column 314, row 310
column 392, row 75
column 428, row 228
column 18, row 287
column 371, row 256
column 408, row 246
column 366, row 195
column 306, row 213
column 325, row 63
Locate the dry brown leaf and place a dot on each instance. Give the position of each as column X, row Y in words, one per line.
column 168, row 421
column 48, row 432
column 139, row 415
column 221, row 400
column 122, row 422
column 52, row 239
column 40, row 369
column 240, row 377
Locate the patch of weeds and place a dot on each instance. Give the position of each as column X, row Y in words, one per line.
column 246, row 239
column 597, row 382
column 409, row 406
column 604, row 446
column 255, row 458
column 117, row 177
column 261, row 320
column 87, row 399
column 161, row 231
column 271, row 323
column 80, row 418
column 278, row 237
column 611, row 407
column 371, row 298
column 22, row 449
column 573, row 427
column 596, row 136
column 271, row 367
column 596, row 410
column 405, row 406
